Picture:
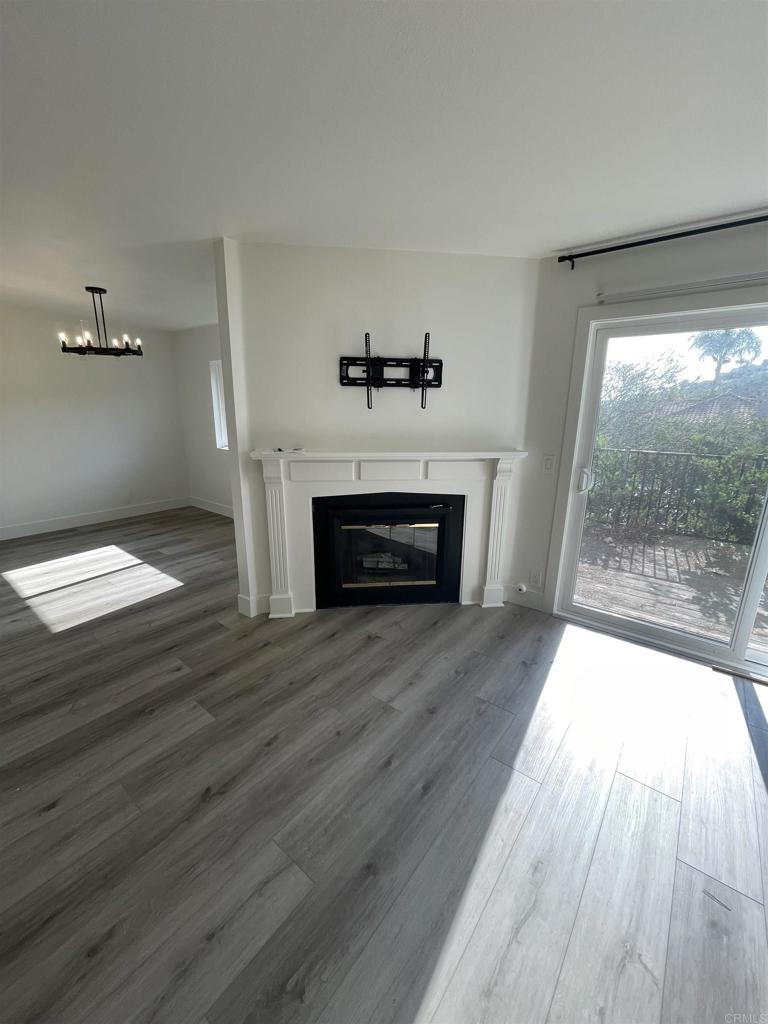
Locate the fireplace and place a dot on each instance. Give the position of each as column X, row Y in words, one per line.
column 304, row 572
column 391, row 548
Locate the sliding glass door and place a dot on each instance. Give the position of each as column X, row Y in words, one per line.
column 666, row 530
column 758, row 640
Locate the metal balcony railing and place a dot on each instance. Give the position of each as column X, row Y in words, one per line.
column 650, row 493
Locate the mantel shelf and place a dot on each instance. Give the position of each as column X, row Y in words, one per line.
column 452, row 456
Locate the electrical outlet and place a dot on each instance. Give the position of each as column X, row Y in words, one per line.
column 536, row 579
column 548, row 464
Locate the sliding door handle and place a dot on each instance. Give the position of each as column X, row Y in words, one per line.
column 584, row 481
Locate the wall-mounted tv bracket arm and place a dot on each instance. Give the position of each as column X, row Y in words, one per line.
column 424, row 371
column 371, row 372
column 368, row 375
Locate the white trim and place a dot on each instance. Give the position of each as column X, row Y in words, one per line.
column 493, row 595
column 757, row 656
column 677, row 642
column 252, row 606
column 212, row 506
column 694, row 288
column 529, row 599
column 90, row 518
column 493, row 591
column 281, row 601
column 714, row 655
column 108, row 515
column 219, row 405
column 303, row 455
column 752, row 591
column 281, row 606
column 233, row 359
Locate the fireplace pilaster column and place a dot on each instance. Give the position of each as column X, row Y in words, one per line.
column 493, row 591
column 281, row 599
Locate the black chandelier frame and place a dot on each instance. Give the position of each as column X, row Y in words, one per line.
column 103, row 348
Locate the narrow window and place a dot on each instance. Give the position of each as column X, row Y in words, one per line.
column 219, row 413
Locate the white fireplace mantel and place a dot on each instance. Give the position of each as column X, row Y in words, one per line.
column 304, row 455
column 293, row 477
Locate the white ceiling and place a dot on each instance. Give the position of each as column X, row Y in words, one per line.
column 133, row 132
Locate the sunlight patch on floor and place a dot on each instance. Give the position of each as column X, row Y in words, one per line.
column 61, row 572
column 597, row 688
column 69, row 591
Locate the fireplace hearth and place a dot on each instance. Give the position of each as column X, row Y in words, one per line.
column 389, row 548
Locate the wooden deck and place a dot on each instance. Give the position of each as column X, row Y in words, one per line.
column 686, row 582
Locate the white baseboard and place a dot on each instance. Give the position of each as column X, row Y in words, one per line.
column 493, row 596
column 108, row 514
column 530, row 599
column 252, row 606
column 212, row 506
column 281, row 606
column 89, row 518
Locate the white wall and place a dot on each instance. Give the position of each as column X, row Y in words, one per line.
column 304, row 307
column 207, row 467
column 81, row 439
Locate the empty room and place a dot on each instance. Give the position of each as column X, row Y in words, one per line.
column 383, row 512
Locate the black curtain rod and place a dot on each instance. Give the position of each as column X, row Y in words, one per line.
column 689, row 233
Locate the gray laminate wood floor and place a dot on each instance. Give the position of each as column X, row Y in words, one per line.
column 414, row 814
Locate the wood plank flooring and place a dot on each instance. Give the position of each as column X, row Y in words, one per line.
column 421, row 815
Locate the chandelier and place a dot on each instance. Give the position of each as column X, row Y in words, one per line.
column 83, row 344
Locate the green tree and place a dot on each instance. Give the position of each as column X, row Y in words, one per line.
column 661, row 466
column 631, row 394
column 724, row 346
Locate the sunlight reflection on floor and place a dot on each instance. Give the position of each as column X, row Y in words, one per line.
column 66, row 592
column 601, row 694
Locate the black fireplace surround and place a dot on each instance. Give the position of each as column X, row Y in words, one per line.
column 391, row 548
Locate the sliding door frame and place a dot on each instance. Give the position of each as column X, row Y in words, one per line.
column 734, row 308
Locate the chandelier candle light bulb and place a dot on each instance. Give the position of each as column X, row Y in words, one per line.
column 84, row 342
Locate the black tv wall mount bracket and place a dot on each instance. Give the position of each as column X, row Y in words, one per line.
column 419, row 373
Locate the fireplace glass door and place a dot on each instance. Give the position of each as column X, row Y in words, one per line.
column 387, row 548
column 389, row 555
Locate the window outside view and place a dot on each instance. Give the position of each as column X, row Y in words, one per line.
column 680, row 470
